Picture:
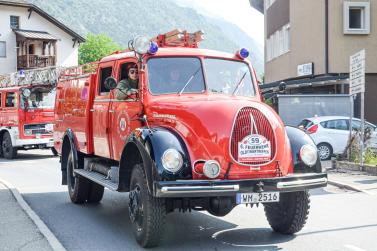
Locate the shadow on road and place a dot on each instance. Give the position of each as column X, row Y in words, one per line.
column 30, row 155
column 106, row 226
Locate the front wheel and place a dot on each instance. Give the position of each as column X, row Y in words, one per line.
column 9, row 151
column 289, row 215
column 147, row 213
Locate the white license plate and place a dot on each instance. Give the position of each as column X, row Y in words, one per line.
column 251, row 198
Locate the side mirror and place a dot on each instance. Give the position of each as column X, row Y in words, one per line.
column 26, row 93
column 110, row 83
column 282, row 86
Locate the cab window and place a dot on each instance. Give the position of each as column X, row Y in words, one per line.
column 11, row 99
column 104, row 74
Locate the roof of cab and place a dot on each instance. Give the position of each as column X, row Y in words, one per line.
column 174, row 51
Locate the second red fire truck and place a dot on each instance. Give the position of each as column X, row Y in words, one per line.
column 27, row 111
column 195, row 136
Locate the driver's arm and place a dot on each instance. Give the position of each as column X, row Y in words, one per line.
column 121, row 92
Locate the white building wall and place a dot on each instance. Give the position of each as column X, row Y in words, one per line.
column 67, row 55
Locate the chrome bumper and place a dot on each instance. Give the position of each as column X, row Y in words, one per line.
column 214, row 188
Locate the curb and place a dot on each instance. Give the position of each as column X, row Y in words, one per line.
column 51, row 239
column 344, row 185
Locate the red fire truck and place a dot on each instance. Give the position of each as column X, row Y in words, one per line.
column 26, row 111
column 194, row 135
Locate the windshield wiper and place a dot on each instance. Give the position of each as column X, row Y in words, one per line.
column 239, row 83
column 188, row 81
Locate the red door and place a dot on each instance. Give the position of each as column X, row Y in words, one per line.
column 123, row 114
column 100, row 111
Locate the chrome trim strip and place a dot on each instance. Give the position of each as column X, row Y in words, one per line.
column 200, row 189
column 114, row 100
column 301, row 183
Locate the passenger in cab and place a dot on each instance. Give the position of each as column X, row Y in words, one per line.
column 129, row 86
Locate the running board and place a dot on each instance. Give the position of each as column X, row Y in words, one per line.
column 97, row 178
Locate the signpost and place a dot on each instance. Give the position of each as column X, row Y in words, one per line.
column 357, row 85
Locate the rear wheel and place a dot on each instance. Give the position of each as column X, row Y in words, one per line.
column 147, row 213
column 95, row 192
column 9, row 152
column 325, row 151
column 78, row 187
column 54, row 152
column 289, row 215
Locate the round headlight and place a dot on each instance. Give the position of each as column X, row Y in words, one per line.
column 28, row 132
column 172, row 160
column 211, row 169
column 141, row 44
column 49, row 127
column 308, row 154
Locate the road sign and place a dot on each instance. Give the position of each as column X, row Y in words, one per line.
column 357, row 85
column 357, row 73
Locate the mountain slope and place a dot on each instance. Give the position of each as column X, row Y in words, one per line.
column 123, row 20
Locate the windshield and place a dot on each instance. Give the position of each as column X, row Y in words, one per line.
column 41, row 98
column 175, row 75
column 229, row 77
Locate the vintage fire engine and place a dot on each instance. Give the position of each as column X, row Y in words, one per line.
column 194, row 136
column 27, row 111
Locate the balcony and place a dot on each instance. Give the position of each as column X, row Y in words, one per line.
column 35, row 49
column 35, row 61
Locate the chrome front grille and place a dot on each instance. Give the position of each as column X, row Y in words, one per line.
column 251, row 121
column 33, row 129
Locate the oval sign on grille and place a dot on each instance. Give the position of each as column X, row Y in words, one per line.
column 254, row 147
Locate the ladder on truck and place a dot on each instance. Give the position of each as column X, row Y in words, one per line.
column 48, row 76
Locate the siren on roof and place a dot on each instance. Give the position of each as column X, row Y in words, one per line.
column 179, row 38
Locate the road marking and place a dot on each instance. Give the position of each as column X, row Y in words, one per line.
column 354, row 248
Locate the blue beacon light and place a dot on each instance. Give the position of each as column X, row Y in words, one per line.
column 243, row 53
column 153, row 48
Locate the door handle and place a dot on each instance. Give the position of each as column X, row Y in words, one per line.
column 92, row 110
column 111, row 111
column 75, row 110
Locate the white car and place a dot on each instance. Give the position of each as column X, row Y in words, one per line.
column 331, row 133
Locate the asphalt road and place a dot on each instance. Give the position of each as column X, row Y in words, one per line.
column 338, row 219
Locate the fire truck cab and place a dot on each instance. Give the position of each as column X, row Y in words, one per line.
column 194, row 135
column 26, row 117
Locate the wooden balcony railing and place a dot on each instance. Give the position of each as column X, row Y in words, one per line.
column 35, row 61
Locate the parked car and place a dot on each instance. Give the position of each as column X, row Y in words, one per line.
column 331, row 133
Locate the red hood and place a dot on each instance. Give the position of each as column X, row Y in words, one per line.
column 205, row 123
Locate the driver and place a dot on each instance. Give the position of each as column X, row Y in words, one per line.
column 130, row 85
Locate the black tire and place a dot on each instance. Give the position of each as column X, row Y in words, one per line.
column 325, row 151
column 54, row 152
column 95, row 193
column 1, row 146
column 147, row 213
column 9, row 152
column 289, row 215
column 78, row 187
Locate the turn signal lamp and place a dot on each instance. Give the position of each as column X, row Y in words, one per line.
column 242, row 53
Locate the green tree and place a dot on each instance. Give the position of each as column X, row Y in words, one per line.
column 96, row 47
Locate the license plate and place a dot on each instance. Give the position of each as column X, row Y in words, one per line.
column 251, row 198
column 38, row 135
